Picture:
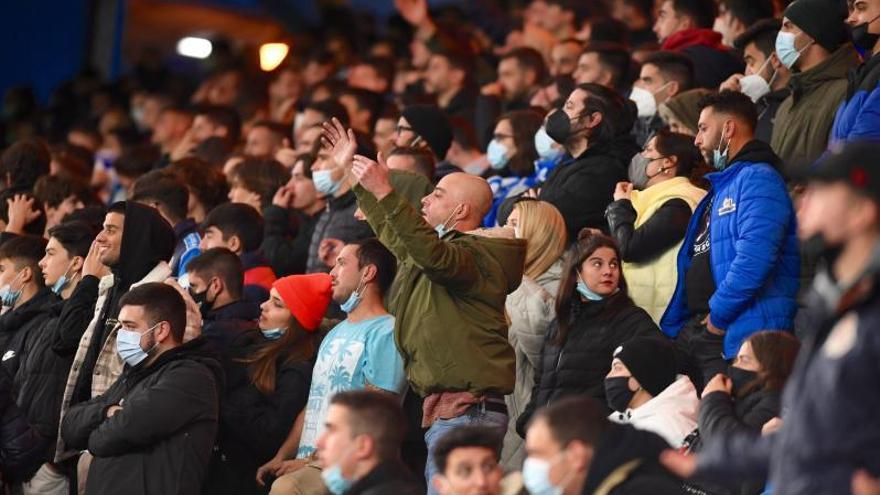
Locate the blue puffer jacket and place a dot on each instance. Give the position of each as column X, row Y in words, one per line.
column 858, row 117
column 753, row 251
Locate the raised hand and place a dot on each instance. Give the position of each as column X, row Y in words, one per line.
column 623, row 190
column 92, row 264
column 414, row 12
column 21, row 212
column 372, row 175
column 283, row 197
column 339, row 142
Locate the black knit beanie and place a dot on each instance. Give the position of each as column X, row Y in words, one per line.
column 429, row 122
column 651, row 360
column 823, row 20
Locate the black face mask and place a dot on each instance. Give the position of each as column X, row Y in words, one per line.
column 617, row 393
column 740, row 378
column 558, row 126
column 862, row 38
column 201, row 298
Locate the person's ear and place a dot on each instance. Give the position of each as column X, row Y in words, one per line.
column 594, row 120
column 775, row 63
column 633, row 384
column 218, row 285
column 27, row 275
column 581, row 455
column 234, row 244
column 457, row 76
column 163, row 331
column 463, row 211
column 671, row 163
column 673, row 89
column 370, row 273
column 76, row 264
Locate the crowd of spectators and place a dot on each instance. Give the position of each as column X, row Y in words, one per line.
column 542, row 247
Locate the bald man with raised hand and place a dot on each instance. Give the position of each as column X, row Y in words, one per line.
column 453, row 281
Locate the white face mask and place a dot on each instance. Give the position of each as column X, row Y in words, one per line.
column 754, row 86
column 645, row 100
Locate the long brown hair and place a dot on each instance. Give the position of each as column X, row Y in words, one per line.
column 587, row 244
column 525, row 123
column 295, row 345
column 776, row 352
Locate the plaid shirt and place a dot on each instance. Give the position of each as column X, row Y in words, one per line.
column 109, row 365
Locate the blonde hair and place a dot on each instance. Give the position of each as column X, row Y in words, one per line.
column 543, row 227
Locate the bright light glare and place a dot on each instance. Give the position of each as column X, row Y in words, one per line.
column 194, row 47
column 272, row 54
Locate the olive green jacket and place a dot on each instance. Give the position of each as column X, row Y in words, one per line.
column 448, row 305
column 803, row 122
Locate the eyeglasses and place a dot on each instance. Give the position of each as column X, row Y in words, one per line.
column 402, row 128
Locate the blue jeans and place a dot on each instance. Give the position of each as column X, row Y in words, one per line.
column 476, row 415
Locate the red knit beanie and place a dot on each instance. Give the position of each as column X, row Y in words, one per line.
column 306, row 296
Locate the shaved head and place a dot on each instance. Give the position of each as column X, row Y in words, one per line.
column 460, row 201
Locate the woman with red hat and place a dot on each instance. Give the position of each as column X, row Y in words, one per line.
column 268, row 382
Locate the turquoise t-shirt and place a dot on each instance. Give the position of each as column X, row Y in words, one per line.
column 351, row 355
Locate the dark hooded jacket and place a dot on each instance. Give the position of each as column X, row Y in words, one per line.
column 161, row 439
column 42, row 373
column 626, row 462
column 581, row 188
column 22, row 448
column 713, row 61
column 228, row 325
column 578, row 366
column 17, row 323
column 253, row 425
column 147, row 240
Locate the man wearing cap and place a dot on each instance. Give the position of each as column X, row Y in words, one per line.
column 452, row 284
column 812, row 43
column 642, row 390
column 424, row 126
column 857, row 118
column 829, row 433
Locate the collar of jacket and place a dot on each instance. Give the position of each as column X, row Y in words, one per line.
column 185, row 227
column 834, row 67
column 197, row 347
column 14, row 319
column 865, row 76
column 776, row 96
column 754, row 151
column 236, row 310
column 341, row 202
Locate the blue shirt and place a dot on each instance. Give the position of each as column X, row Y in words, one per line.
column 350, row 356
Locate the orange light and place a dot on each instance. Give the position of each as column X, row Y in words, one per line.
column 272, row 54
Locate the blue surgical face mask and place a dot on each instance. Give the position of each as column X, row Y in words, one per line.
column 497, row 155
column 324, row 182
column 719, row 157
column 335, row 482
column 536, row 477
column 544, row 145
column 61, row 283
column 587, row 292
column 442, row 229
column 273, row 333
column 354, row 299
column 785, row 49
column 8, row 296
column 128, row 345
